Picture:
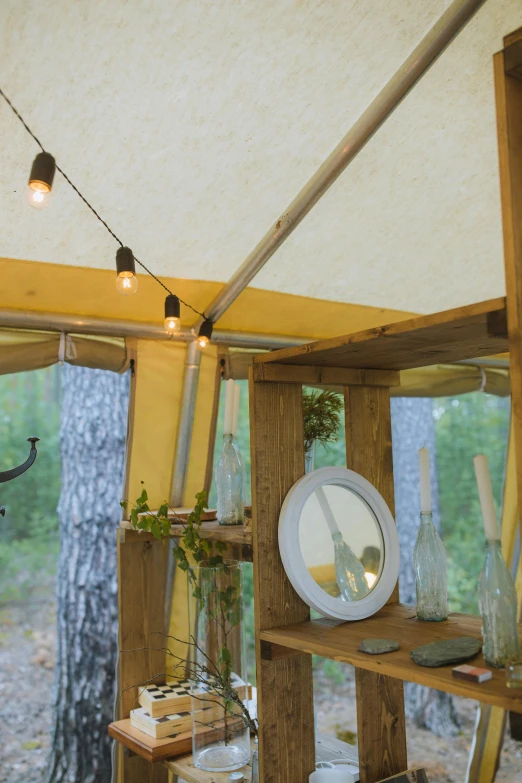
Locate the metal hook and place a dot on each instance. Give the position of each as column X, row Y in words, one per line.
column 8, row 475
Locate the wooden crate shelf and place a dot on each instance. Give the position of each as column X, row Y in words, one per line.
column 213, row 530
column 340, row 641
column 465, row 333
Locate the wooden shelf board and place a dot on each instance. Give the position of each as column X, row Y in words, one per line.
column 465, row 333
column 326, row 749
column 229, row 534
column 149, row 748
column 340, row 641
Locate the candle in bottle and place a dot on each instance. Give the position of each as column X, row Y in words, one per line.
column 229, row 407
column 485, row 491
column 235, row 414
column 425, row 486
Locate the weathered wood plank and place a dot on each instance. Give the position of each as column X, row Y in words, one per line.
column 285, row 696
column 395, row 621
column 464, row 333
column 508, row 92
column 380, row 699
column 327, row 376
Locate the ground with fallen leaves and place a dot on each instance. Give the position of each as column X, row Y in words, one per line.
column 27, row 648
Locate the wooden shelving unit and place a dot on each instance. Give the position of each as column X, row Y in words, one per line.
column 367, row 364
column 341, row 641
column 213, row 530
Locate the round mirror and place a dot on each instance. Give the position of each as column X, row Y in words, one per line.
column 339, row 544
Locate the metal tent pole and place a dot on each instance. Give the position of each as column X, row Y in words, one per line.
column 426, row 53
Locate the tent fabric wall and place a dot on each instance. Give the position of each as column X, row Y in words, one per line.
column 22, row 350
column 153, row 426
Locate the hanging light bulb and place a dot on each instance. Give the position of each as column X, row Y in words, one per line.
column 172, row 310
column 126, row 280
column 205, row 333
column 38, row 191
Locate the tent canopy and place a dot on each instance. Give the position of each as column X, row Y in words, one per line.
column 191, row 127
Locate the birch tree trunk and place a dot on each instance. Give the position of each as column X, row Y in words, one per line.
column 92, row 444
column 412, row 428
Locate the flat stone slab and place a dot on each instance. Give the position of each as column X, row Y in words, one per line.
column 378, row 646
column 446, row 652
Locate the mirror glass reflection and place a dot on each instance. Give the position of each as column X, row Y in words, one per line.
column 340, row 542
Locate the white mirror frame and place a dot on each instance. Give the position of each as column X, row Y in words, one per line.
column 293, row 560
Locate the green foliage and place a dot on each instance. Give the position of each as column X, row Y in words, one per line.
column 29, row 405
column 467, row 425
column 321, row 412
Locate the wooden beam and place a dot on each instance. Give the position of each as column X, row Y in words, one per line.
column 508, row 92
column 284, row 685
column 441, row 338
column 513, row 59
column 141, row 602
column 381, row 725
column 327, row 376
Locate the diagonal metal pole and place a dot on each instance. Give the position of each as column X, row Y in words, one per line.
column 456, row 16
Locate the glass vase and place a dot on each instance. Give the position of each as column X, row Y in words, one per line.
column 309, row 456
column 220, row 733
column 431, row 579
column 230, row 484
column 498, row 607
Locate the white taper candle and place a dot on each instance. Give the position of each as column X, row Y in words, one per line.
column 487, row 504
column 229, row 408
column 235, row 415
column 425, row 485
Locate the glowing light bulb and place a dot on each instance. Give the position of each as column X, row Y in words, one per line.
column 172, row 325
column 38, row 199
column 126, row 283
column 38, row 191
column 205, row 333
column 126, row 280
column 172, row 321
column 370, row 578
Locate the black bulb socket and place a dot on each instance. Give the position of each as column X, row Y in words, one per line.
column 125, row 261
column 172, row 306
column 42, row 172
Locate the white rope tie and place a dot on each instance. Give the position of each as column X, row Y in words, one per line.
column 66, row 349
column 483, row 379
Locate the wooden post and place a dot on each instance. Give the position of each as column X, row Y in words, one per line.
column 142, row 569
column 381, row 725
column 508, row 91
column 284, row 686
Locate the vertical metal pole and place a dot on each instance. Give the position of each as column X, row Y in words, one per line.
column 186, row 423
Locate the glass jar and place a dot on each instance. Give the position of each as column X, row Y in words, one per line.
column 309, row 456
column 498, row 607
column 431, row 580
column 220, row 733
column 230, row 484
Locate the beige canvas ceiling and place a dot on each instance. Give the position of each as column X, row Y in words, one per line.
column 192, row 125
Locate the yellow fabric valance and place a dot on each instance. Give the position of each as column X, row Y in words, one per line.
column 22, row 350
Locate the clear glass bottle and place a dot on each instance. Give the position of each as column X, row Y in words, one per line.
column 230, row 484
column 349, row 571
column 255, row 762
column 498, row 607
column 431, row 578
column 220, row 734
column 309, row 456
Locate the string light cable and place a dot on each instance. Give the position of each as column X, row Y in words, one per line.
column 38, row 193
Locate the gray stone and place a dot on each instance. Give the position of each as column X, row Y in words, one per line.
column 378, row 646
column 446, row 652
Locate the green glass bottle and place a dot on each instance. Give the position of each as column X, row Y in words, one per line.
column 498, row 607
column 431, row 582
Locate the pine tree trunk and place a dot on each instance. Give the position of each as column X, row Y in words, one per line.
column 412, row 428
column 92, row 444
